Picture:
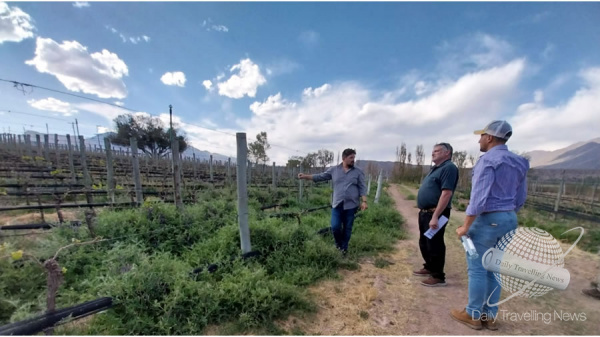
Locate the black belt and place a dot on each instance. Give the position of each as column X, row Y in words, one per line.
column 428, row 210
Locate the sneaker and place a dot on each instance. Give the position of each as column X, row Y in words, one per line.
column 593, row 292
column 490, row 324
column 422, row 272
column 434, row 282
column 463, row 317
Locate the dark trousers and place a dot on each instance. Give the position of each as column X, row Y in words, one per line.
column 433, row 250
column 341, row 225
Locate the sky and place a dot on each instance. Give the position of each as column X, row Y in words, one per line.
column 313, row 75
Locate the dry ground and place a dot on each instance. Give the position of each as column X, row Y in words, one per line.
column 390, row 301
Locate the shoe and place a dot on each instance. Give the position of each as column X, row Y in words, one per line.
column 422, row 272
column 434, row 282
column 593, row 292
column 490, row 324
column 463, row 317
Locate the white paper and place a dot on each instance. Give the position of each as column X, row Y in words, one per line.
column 442, row 221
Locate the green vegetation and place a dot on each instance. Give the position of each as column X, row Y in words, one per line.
column 542, row 220
column 146, row 266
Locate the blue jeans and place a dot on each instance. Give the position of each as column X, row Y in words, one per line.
column 485, row 232
column 341, row 225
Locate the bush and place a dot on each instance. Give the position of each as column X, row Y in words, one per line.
column 147, row 264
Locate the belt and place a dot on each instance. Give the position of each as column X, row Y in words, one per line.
column 428, row 210
column 488, row 212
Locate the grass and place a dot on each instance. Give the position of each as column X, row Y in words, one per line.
column 381, row 263
column 557, row 227
column 146, row 268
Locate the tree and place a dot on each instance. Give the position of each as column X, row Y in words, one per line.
column 420, row 159
column 472, row 159
column 310, row 160
column 400, row 159
column 257, row 150
column 151, row 134
column 294, row 161
column 409, row 158
column 460, row 159
column 325, row 157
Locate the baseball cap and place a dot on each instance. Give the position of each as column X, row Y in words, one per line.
column 500, row 129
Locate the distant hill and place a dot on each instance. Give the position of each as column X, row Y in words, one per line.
column 579, row 156
column 99, row 141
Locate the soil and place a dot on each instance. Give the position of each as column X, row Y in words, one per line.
column 391, row 301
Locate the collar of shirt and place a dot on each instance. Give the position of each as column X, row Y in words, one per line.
column 491, row 151
column 440, row 165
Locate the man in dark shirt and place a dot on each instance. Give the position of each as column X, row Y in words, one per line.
column 348, row 187
column 433, row 200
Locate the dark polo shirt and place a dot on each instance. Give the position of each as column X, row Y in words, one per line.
column 442, row 177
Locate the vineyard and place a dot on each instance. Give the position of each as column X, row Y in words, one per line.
column 164, row 267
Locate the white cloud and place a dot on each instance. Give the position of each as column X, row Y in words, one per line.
column 107, row 111
column 53, row 104
column 206, row 139
column 309, row 38
column 103, row 110
column 98, row 73
column 125, row 38
column 245, row 82
column 548, row 51
column 209, row 26
column 312, row 93
column 281, row 66
column 174, row 78
column 271, row 105
column 533, row 19
column 350, row 115
column 473, row 52
column 220, row 28
column 421, row 87
column 119, row 103
column 81, row 4
column 537, row 126
column 15, row 25
column 102, row 129
column 207, row 84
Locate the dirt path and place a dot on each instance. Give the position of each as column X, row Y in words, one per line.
column 391, row 301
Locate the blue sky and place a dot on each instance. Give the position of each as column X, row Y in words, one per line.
column 313, row 75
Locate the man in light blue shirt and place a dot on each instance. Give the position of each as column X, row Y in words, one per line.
column 498, row 191
column 348, row 187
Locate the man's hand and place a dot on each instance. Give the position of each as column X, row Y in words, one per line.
column 433, row 224
column 363, row 206
column 302, row 176
column 462, row 230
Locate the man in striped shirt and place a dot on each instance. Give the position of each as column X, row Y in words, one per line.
column 498, row 191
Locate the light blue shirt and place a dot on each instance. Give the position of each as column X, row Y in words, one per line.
column 499, row 182
column 348, row 186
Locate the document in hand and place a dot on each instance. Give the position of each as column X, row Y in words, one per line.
column 442, row 221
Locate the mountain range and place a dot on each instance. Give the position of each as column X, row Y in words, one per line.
column 578, row 156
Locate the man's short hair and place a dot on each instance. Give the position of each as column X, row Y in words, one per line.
column 446, row 147
column 348, row 152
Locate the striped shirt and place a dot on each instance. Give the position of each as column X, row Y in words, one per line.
column 348, row 186
column 499, row 182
